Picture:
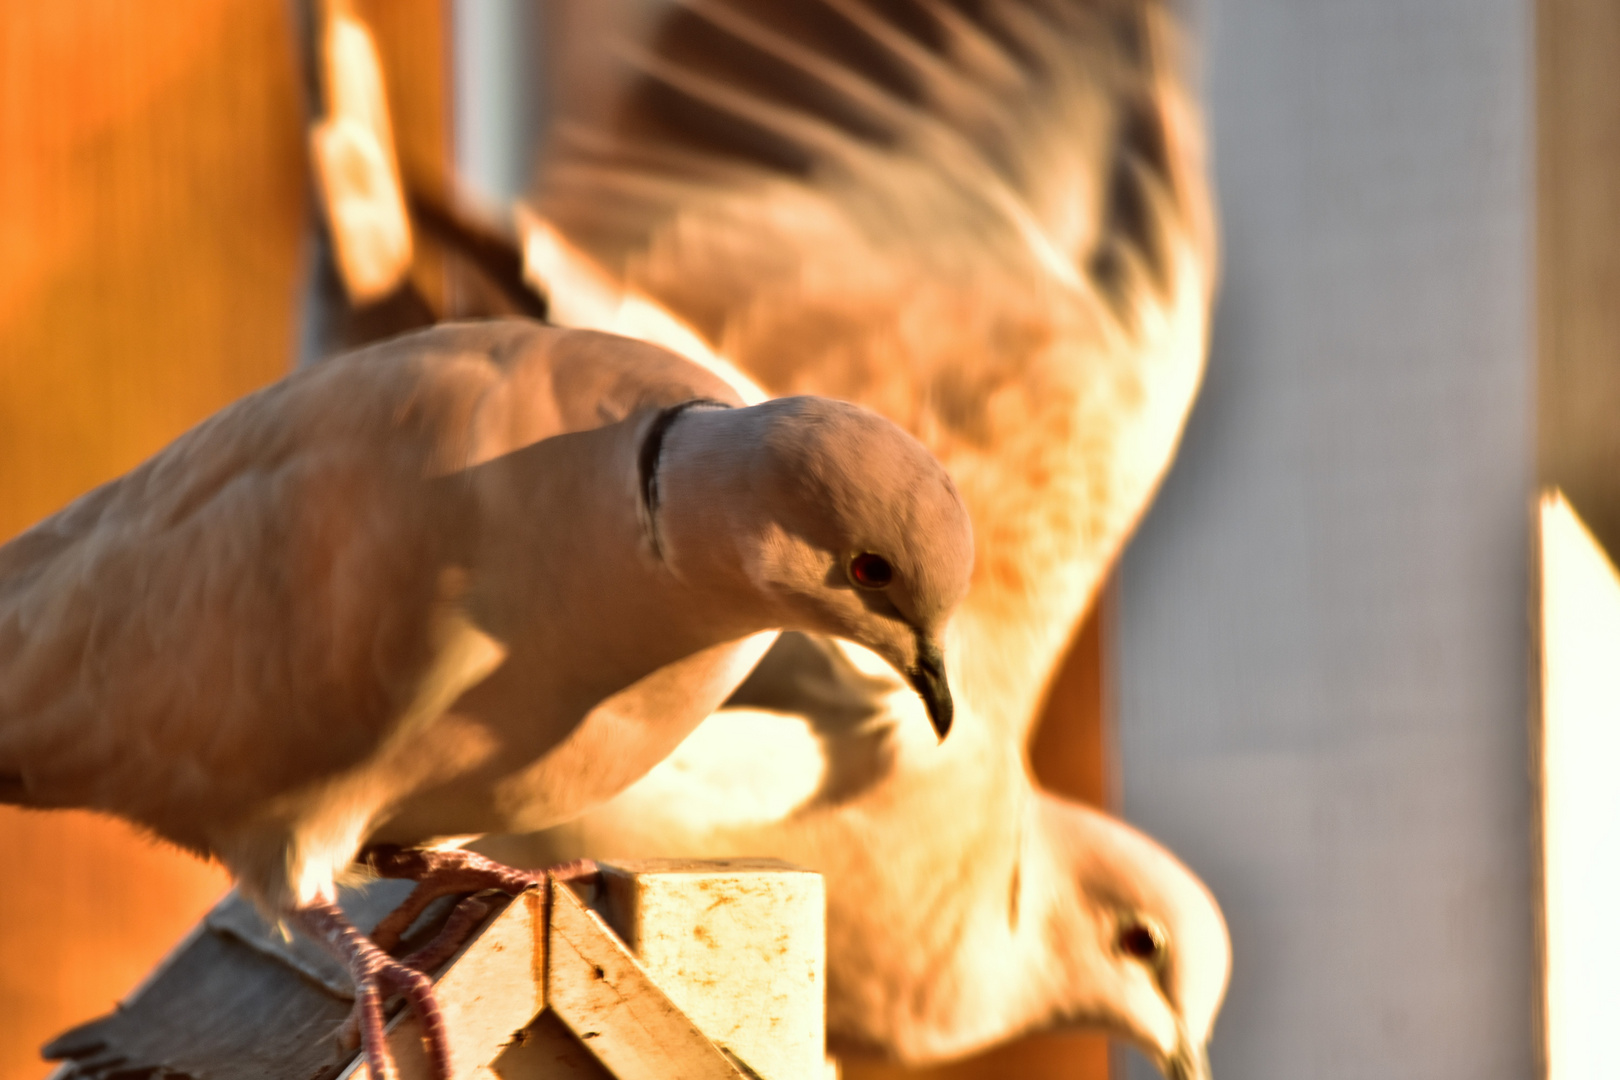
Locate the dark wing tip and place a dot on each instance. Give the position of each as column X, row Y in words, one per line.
column 1008, row 94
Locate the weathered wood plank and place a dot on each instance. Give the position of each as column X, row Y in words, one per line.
column 235, row 1001
column 739, row 945
column 545, row 1050
column 220, row 1011
column 596, row 987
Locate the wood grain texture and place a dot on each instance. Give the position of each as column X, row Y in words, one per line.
column 237, row 1001
column 546, row 1050
column 596, row 988
column 740, row 946
column 151, row 207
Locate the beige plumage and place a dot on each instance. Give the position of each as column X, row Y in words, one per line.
column 996, row 233
column 988, row 220
column 477, row 578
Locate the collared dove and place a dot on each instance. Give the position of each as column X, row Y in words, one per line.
column 988, row 220
column 476, row 578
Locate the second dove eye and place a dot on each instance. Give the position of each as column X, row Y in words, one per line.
column 870, row 571
column 1140, row 942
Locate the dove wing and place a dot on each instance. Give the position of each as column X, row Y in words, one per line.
column 246, row 611
column 986, row 219
column 751, row 144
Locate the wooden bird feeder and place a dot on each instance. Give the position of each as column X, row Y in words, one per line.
column 666, row 969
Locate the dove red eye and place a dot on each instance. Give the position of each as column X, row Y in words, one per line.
column 1140, row 942
column 870, row 571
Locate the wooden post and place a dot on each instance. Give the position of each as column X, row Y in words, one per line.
column 608, row 1000
column 726, row 980
column 740, row 946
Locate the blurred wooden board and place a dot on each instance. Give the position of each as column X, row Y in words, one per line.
column 228, row 1005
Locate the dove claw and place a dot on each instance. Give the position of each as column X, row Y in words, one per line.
column 464, row 918
column 374, row 971
column 445, row 873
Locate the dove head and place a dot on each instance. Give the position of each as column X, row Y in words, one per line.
column 831, row 518
column 1141, row 946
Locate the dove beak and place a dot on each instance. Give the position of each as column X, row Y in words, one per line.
column 927, row 677
column 1191, row 1062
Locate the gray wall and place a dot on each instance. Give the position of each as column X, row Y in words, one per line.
column 500, row 105
column 1323, row 642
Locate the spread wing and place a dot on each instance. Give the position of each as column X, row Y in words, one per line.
column 986, row 219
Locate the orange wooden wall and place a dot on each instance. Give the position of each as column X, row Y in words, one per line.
column 152, row 200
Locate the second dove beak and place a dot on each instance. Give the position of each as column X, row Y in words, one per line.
column 1192, row 1063
column 928, row 679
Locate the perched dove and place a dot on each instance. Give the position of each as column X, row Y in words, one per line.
column 477, row 578
column 988, row 220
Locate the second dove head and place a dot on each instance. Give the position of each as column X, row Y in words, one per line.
column 1142, row 941
column 838, row 519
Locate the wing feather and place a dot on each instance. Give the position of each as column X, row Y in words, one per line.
column 987, row 219
column 242, row 613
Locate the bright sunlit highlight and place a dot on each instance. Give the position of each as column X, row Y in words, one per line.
column 1580, row 625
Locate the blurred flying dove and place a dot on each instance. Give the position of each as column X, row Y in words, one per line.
column 989, row 221
column 478, row 578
